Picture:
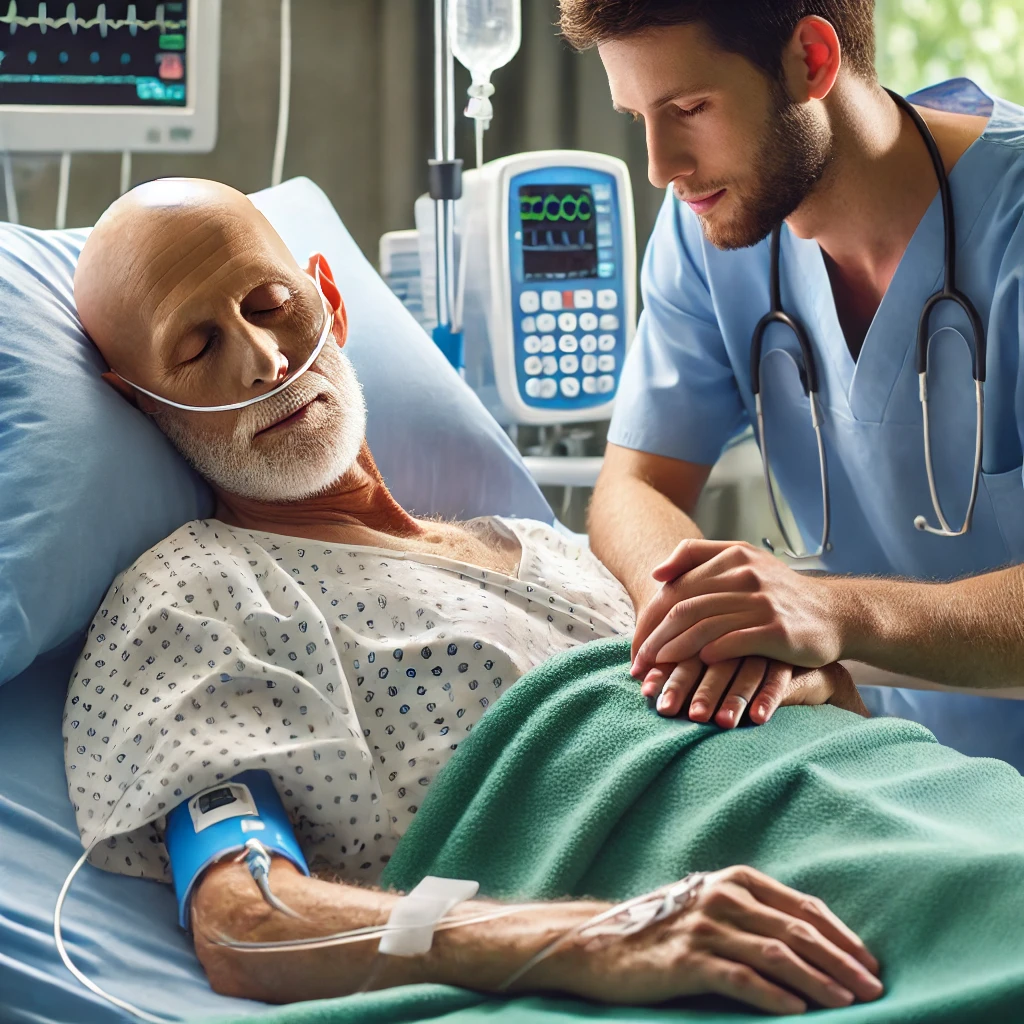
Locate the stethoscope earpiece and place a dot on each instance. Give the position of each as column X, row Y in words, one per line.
column 920, row 523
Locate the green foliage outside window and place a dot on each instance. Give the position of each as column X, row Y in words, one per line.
column 921, row 42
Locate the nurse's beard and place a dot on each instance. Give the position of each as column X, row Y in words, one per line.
column 793, row 156
column 294, row 462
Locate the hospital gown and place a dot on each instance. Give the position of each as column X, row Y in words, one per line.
column 349, row 673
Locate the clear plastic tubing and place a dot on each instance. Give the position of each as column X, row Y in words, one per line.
column 485, row 35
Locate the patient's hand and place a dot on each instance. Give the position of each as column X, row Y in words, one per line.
column 748, row 937
column 750, row 687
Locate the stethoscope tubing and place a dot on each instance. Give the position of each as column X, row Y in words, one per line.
column 809, row 368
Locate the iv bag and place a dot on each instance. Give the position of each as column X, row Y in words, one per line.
column 485, row 35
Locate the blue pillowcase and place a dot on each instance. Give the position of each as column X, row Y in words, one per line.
column 87, row 483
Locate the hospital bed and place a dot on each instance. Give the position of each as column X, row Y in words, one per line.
column 86, row 484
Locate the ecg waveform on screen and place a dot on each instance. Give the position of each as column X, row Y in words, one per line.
column 101, row 21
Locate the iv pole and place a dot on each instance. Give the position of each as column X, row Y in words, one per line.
column 445, row 187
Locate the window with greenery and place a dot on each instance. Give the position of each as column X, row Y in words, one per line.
column 921, row 42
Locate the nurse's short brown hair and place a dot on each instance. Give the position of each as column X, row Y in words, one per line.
column 756, row 29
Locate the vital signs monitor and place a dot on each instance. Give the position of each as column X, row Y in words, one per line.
column 111, row 76
column 548, row 261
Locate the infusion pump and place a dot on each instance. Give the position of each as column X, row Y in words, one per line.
column 546, row 255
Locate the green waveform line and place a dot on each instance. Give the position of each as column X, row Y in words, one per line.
column 539, row 208
column 101, row 20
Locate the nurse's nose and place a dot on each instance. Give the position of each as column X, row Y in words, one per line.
column 667, row 157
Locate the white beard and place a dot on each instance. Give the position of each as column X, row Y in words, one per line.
column 295, row 462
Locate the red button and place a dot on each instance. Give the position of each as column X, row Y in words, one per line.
column 567, row 300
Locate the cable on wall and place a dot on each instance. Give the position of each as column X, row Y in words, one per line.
column 284, row 95
column 10, row 195
column 126, row 171
column 63, row 185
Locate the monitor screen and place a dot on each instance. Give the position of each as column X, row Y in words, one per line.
column 112, row 54
column 559, row 232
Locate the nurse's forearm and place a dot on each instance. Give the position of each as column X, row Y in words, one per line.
column 968, row 633
column 633, row 527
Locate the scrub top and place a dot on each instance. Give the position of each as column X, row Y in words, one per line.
column 686, row 392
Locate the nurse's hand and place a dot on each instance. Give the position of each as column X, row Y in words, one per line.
column 722, row 600
column 753, row 686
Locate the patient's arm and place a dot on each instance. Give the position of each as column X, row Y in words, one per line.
column 747, row 936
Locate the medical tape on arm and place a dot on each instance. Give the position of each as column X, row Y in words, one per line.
column 410, row 927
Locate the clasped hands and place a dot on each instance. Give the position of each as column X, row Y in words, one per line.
column 732, row 629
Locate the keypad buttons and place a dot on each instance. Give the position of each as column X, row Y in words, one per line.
column 568, row 343
column 609, row 322
column 531, row 344
column 569, row 364
column 550, row 365
column 547, row 343
column 548, row 388
column 606, row 342
column 532, row 365
column 570, row 387
column 588, row 343
column 546, row 322
column 552, row 300
column 583, row 298
column 589, row 364
column 529, row 325
column 607, row 298
column 567, row 322
column 605, row 384
column 588, row 322
column 533, row 386
column 589, row 385
column 529, row 302
column 606, row 364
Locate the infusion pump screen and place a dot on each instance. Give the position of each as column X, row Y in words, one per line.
column 559, row 232
column 111, row 54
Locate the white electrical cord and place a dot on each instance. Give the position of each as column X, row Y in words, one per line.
column 284, row 93
column 10, row 195
column 126, row 171
column 63, row 184
column 89, row 984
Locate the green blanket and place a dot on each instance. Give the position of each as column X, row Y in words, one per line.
column 571, row 785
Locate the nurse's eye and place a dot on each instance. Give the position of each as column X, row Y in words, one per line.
column 692, row 111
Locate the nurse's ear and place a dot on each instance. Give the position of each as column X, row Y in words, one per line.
column 317, row 261
column 812, row 60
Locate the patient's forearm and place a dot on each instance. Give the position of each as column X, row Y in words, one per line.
column 966, row 633
column 479, row 956
column 633, row 527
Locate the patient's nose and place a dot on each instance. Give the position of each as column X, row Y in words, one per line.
column 265, row 362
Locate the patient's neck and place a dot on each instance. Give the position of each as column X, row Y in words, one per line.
column 353, row 510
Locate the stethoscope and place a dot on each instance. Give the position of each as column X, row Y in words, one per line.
column 809, row 370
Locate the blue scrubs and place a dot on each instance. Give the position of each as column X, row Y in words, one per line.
column 686, row 392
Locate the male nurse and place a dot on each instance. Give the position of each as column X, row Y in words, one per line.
column 760, row 114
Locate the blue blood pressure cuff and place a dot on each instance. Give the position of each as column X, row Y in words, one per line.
column 217, row 822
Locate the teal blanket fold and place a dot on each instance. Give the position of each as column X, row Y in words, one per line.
column 572, row 786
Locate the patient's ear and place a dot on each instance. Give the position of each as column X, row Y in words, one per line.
column 331, row 294
column 125, row 390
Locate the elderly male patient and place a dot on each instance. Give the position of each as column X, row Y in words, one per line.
column 316, row 631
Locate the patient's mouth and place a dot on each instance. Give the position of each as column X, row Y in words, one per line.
column 296, row 417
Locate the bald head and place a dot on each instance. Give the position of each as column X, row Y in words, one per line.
column 154, row 249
